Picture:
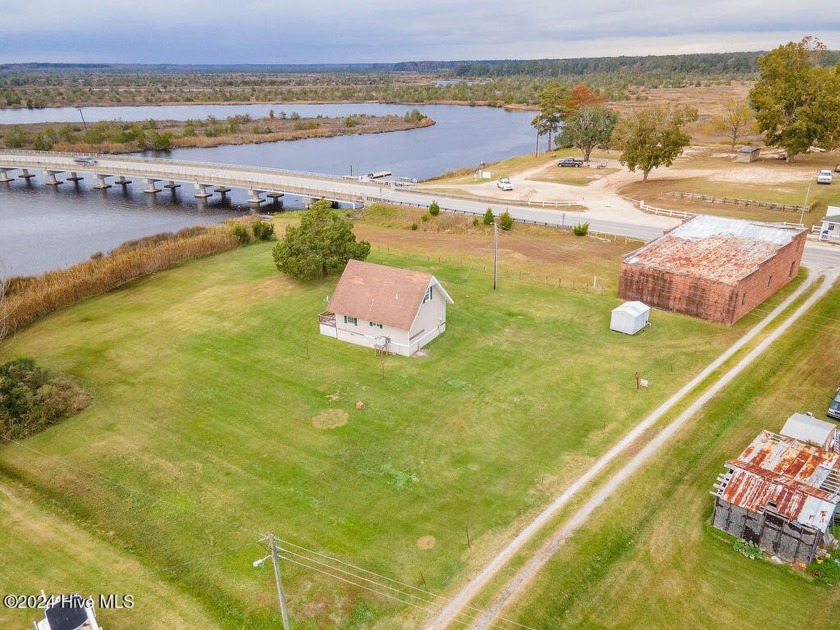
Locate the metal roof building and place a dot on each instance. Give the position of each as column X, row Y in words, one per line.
column 711, row 267
column 782, row 494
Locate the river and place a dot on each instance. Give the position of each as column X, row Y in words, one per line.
column 42, row 228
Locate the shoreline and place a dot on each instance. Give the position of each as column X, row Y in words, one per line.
column 335, row 127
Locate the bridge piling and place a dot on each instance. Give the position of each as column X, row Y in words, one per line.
column 202, row 191
column 122, row 181
column 222, row 190
column 4, row 174
column 172, row 185
column 74, row 177
column 25, row 174
column 102, row 185
column 254, row 196
column 51, row 179
column 152, row 189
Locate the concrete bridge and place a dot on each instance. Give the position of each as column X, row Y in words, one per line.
column 207, row 178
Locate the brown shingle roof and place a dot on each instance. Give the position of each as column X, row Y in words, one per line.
column 379, row 293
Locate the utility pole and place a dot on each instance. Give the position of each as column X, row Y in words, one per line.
column 495, row 254
column 281, row 594
column 83, row 117
column 805, row 205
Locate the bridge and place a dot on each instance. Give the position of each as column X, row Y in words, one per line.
column 209, row 178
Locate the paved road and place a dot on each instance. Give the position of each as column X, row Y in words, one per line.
column 450, row 614
column 637, row 225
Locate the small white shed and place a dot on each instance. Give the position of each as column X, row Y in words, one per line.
column 630, row 317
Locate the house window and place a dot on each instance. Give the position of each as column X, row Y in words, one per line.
column 744, row 298
column 351, row 320
column 376, row 325
column 830, row 227
column 428, row 295
column 790, row 273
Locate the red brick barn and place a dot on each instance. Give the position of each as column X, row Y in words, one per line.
column 714, row 268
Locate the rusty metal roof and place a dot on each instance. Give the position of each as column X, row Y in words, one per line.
column 714, row 248
column 792, row 478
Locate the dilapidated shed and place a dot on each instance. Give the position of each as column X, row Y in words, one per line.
column 782, row 494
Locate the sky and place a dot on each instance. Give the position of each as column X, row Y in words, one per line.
column 343, row 31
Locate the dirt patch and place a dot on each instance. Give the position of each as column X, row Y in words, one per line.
column 426, row 542
column 330, row 419
column 762, row 175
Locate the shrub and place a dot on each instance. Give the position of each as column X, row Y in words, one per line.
column 488, row 217
column 434, row 209
column 424, row 218
column 476, row 222
column 263, row 231
column 580, row 229
column 749, row 549
column 31, row 398
column 414, row 226
column 240, row 232
column 505, row 221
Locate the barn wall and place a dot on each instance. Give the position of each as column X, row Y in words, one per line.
column 772, row 532
column 707, row 299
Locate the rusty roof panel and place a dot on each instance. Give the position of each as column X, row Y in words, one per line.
column 714, row 248
column 786, row 475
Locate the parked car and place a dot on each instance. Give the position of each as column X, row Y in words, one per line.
column 834, row 407
column 504, row 184
column 86, row 160
column 570, row 161
column 824, row 177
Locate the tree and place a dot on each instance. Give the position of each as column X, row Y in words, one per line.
column 797, row 102
column 323, row 243
column 489, row 219
column 583, row 96
column 505, row 220
column 553, row 100
column 591, row 126
column 650, row 138
column 736, row 120
column 434, row 208
column 15, row 138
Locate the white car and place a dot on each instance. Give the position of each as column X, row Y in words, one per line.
column 504, row 184
column 824, row 177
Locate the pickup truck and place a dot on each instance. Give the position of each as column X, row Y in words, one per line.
column 570, row 161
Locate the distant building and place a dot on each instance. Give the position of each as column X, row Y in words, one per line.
column 781, row 494
column 630, row 317
column 830, row 228
column 394, row 310
column 714, row 268
column 68, row 612
column 748, row 154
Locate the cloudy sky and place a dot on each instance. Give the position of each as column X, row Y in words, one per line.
column 335, row 31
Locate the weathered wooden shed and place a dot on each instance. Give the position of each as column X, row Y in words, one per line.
column 782, row 494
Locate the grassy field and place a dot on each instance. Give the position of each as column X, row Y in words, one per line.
column 650, row 558
column 212, row 388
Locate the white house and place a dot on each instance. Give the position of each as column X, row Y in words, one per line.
column 389, row 309
column 830, row 228
column 630, row 317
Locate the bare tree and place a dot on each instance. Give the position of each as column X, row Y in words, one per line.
column 736, row 120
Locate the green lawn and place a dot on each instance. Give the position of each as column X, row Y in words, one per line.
column 208, row 381
column 649, row 556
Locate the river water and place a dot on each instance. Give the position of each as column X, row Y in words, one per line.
column 44, row 228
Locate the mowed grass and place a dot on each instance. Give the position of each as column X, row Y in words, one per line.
column 649, row 557
column 208, row 383
column 41, row 550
